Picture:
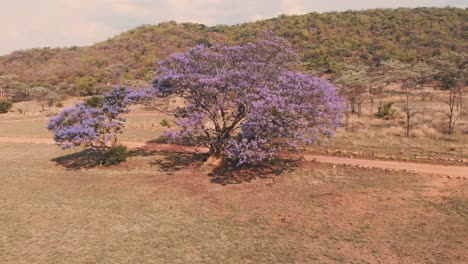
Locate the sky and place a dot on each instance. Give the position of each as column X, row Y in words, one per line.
column 28, row 24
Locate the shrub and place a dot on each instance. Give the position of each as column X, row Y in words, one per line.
column 386, row 112
column 53, row 98
column 114, row 155
column 5, row 106
column 94, row 102
column 92, row 127
column 164, row 123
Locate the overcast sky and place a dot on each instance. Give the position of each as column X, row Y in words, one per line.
column 51, row 23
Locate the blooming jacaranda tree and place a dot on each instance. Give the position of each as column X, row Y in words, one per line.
column 96, row 126
column 248, row 102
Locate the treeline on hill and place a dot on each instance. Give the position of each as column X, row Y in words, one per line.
column 325, row 41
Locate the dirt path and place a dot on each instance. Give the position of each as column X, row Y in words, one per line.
column 452, row 171
column 23, row 120
column 47, row 118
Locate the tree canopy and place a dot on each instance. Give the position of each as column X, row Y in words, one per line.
column 248, row 102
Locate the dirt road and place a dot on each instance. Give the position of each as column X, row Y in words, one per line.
column 452, row 171
column 47, row 118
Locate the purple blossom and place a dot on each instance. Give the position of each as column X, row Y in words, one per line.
column 97, row 128
column 247, row 102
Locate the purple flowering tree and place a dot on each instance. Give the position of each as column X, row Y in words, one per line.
column 96, row 127
column 247, row 102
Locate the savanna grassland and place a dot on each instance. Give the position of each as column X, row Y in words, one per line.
column 168, row 208
column 169, row 205
column 60, row 206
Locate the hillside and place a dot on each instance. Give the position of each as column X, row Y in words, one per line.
column 323, row 40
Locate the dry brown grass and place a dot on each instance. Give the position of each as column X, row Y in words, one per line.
column 157, row 208
column 166, row 207
column 428, row 141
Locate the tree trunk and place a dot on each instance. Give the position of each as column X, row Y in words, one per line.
column 451, row 114
column 407, row 124
column 347, row 120
column 215, row 150
column 460, row 100
column 359, row 109
column 407, row 109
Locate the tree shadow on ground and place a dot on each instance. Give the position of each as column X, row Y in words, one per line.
column 88, row 158
column 85, row 159
column 176, row 161
column 233, row 174
column 225, row 173
column 173, row 161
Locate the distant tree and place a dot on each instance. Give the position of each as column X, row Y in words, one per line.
column 41, row 95
column 376, row 89
column 246, row 102
column 86, row 85
column 354, row 83
column 5, row 106
column 425, row 74
column 450, row 75
column 53, row 98
column 410, row 78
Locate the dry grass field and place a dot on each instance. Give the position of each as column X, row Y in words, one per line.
column 160, row 208
column 385, row 139
column 58, row 207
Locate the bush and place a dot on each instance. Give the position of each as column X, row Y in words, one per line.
column 164, row 123
column 386, row 112
column 114, row 155
column 5, row 106
column 94, row 102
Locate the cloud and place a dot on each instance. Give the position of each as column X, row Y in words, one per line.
column 40, row 23
column 127, row 8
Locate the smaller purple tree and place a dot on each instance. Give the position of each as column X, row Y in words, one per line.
column 247, row 102
column 96, row 127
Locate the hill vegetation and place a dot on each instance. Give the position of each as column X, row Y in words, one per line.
column 324, row 41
